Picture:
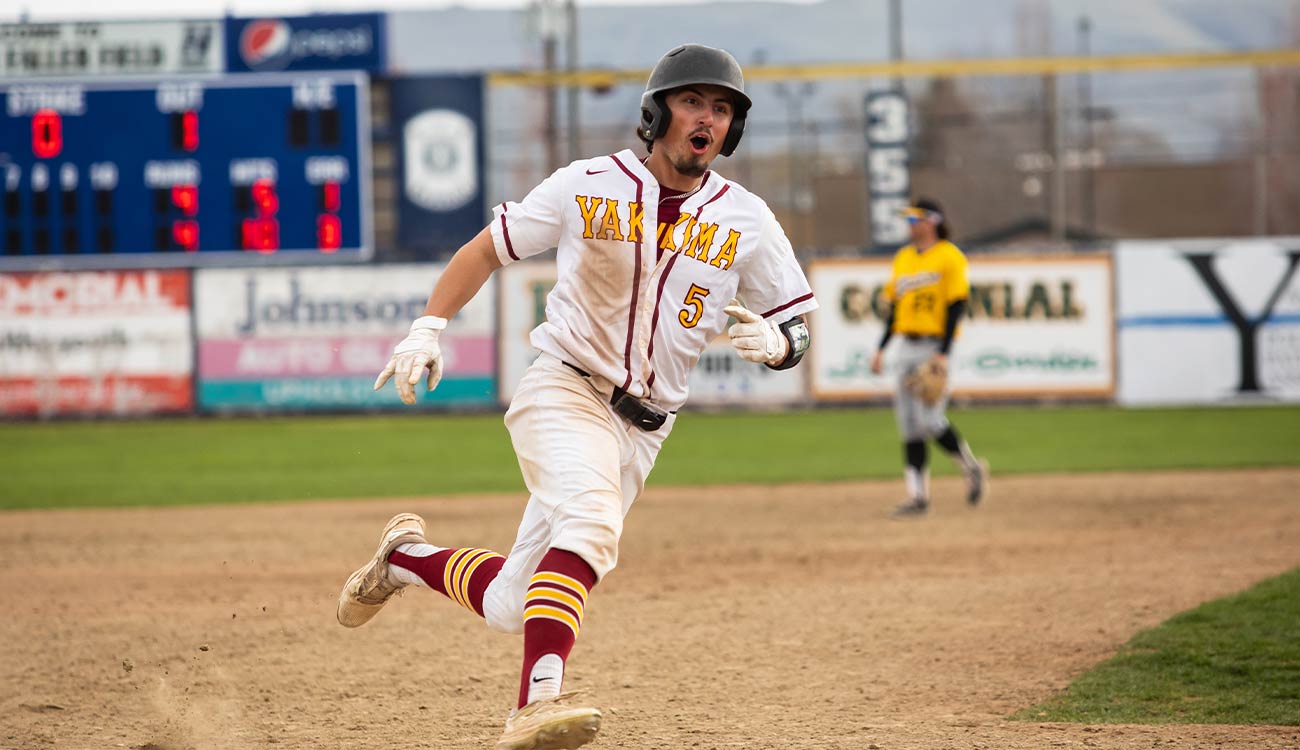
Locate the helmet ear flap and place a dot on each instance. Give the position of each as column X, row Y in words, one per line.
column 732, row 140
column 654, row 117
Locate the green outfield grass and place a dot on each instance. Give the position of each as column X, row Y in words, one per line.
column 166, row 462
column 1231, row 661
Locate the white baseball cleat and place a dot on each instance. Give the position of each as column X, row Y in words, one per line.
column 913, row 508
column 369, row 589
column 550, row 725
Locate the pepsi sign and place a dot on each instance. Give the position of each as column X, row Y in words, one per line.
column 353, row 41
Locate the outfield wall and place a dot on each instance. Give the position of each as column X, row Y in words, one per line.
column 1168, row 322
column 1209, row 321
column 1039, row 327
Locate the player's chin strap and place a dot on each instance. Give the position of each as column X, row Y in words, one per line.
column 796, row 335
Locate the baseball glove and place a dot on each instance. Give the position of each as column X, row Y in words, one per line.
column 928, row 381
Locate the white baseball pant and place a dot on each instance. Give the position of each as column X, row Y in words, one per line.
column 916, row 419
column 584, row 466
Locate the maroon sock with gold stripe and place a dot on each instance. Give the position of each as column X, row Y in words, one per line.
column 461, row 575
column 553, row 609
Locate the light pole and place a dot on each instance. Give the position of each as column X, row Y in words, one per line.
column 571, row 64
column 549, row 29
column 896, row 37
column 1085, row 110
column 797, row 194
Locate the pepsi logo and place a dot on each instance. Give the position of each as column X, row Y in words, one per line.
column 265, row 43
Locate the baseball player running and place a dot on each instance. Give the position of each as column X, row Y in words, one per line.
column 652, row 253
column 927, row 292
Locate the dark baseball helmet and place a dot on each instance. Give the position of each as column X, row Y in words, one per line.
column 686, row 65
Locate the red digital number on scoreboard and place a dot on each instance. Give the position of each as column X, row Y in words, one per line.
column 185, row 233
column 329, row 233
column 190, row 130
column 47, row 134
column 264, row 197
column 186, row 198
column 262, row 235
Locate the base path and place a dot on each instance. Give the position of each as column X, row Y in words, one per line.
column 786, row 618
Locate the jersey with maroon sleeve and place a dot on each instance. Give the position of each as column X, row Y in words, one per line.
column 637, row 299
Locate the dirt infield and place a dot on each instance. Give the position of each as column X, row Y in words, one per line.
column 788, row 618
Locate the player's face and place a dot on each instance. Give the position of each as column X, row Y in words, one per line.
column 701, row 117
column 923, row 231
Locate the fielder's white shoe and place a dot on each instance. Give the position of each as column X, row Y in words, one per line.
column 914, row 508
column 368, row 589
column 550, row 725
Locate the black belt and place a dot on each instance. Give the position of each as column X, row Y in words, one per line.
column 921, row 337
column 642, row 414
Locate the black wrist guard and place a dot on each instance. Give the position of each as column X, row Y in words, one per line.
column 796, row 335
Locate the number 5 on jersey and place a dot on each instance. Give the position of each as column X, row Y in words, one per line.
column 694, row 310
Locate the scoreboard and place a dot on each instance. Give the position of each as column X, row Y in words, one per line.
column 178, row 171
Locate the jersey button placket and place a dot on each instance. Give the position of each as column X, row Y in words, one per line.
column 645, row 311
column 645, row 319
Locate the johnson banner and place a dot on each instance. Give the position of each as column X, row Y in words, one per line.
column 315, row 338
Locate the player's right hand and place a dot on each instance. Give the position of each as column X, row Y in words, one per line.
column 878, row 362
column 419, row 350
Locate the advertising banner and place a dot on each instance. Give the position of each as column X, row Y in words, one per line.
column 1038, row 327
column 316, row 338
column 95, row 343
column 1209, row 321
column 334, row 41
column 440, row 161
column 521, row 289
column 94, row 48
column 720, row 378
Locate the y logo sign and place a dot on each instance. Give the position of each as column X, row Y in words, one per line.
column 1247, row 329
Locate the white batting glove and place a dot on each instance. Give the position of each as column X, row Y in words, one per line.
column 410, row 358
column 755, row 339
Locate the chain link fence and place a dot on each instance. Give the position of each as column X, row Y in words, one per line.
column 1042, row 162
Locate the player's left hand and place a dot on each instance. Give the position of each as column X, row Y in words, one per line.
column 929, row 380
column 419, row 350
column 755, row 339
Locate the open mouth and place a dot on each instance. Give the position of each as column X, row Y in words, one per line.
column 700, row 143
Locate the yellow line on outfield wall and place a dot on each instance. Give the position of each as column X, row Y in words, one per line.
column 1018, row 66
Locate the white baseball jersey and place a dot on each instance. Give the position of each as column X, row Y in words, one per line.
column 636, row 311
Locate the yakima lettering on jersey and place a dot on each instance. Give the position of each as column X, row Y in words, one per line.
column 602, row 219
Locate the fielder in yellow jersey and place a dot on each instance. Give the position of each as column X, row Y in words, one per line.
column 928, row 294
column 923, row 285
